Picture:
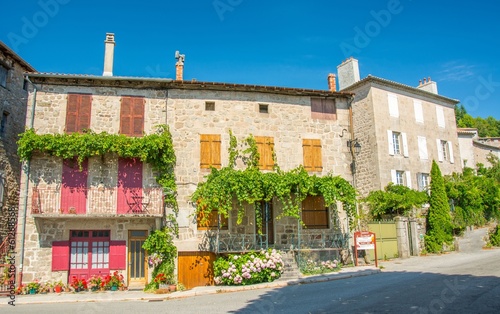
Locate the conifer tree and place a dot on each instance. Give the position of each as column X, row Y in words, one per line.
column 439, row 226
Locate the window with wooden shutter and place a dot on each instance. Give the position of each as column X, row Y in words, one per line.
column 324, row 109
column 132, row 116
column 210, row 151
column 212, row 221
column 265, row 146
column 315, row 213
column 78, row 112
column 312, row 155
column 117, row 255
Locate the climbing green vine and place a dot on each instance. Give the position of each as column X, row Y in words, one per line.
column 251, row 186
column 155, row 149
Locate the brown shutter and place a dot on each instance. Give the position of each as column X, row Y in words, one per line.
column 323, row 109
column 138, row 116
column 265, row 146
column 72, row 113
column 126, row 116
column 317, row 159
column 84, row 112
column 210, row 151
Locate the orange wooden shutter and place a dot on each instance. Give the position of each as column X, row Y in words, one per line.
column 126, row 116
column 265, row 146
column 72, row 113
column 210, row 150
column 138, row 116
column 78, row 112
column 84, row 112
column 312, row 155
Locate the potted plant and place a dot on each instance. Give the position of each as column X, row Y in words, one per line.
column 78, row 284
column 33, row 287
column 95, row 283
column 114, row 281
column 58, row 286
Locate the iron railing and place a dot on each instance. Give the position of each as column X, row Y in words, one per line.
column 97, row 201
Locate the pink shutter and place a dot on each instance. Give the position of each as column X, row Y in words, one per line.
column 117, row 255
column 60, row 255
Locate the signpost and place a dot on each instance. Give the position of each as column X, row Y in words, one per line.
column 365, row 240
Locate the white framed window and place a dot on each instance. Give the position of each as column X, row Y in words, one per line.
column 419, row 114
column 398, row 143
column 422, row 148
column 445, row 151
column 423, row 180
column 440, row 116
column 3, row 75
column 393, row 105
column 401, row 177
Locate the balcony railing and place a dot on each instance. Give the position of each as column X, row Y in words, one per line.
column 97, row 201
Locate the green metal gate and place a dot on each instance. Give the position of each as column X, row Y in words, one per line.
column 387, row 240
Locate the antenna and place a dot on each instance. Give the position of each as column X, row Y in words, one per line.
column 179, row 57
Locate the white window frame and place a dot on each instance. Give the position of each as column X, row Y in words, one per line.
column 398, row 143
column 419, row 114
column 423, row 180
column 392, row 99
column 398, row 177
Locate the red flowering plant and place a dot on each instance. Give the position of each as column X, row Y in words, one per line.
column 96, row 283
column 160, row 279
column 78, row 284
column 114, row 280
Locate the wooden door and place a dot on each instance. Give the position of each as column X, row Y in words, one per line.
column 74, row 187
column 196, row 269
column 266, row 212
column 137, row 261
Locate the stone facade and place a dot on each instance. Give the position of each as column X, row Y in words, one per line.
column 13, row 99
column 182, row 106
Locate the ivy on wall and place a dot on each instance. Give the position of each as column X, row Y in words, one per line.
column 155, row 149
column 251, row 186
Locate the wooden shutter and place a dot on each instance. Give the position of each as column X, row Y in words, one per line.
column 323, row 109
column 78, row 112
column 60, row 255
column 391, row 142
column 440, row 116
column 132, row 116
column 419, row 115
column 440, row 150
column 393, row 105
column 405, row 145
column 210, row 151
column 117, row 255
column 265, row 147
column 312, row 155
column 422, row 148
column 450, row 149
column 394, row 178
column 408, row 179
column 314, row 212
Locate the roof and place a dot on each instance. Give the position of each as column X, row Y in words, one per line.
column 148, row 82
column 471, row 131
column 9, row 52
column 373, row 79
column 485, row 145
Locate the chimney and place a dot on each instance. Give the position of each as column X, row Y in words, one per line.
column 428, row 85
column 109, row 49
column 332, row 83
column 179, row 66
column 348, row 72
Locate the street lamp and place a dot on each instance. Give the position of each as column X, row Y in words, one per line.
column 354, row 148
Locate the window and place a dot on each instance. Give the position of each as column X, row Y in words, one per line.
column 323, row 109
column 422, row 148
column 401, row 177
column 445, row 151
column 3, row 123
column 398, row 143
column 423, row 181
column 132, row 116
column 419, row 115
column 440, row 116
column 210, row 151
column 212, row 221
column 263, row 108
column 3, row 75
column 393, row 105
column 315, row 213
column 312, row 155
column 78, row 112
column 265, row 146
column 209, row 106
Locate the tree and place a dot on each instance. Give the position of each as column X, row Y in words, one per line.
column 395, row 200
column 439, row 226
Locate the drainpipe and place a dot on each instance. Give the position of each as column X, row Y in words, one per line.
column 27, row 165
column 353, row 156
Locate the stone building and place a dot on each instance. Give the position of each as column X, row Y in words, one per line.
column 401, row 130
column 85, row 221
column 13, row 99
column 475, row 149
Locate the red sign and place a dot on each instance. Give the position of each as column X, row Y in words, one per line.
column 365, row 240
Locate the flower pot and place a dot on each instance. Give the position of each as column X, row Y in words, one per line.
column 114, row 288
column 57, row 289
column 32, row 291
column 172, row 288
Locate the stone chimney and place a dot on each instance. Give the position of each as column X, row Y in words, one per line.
column 179, row 66
column 332, row 82
column 428, row 85
column 348, row 72
column 109, row 50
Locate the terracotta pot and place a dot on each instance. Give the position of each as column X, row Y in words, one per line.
column 57, row 289
column 172, row 288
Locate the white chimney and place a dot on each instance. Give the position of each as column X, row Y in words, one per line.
column 428, row 86
column 348, row 73
column 109, row 49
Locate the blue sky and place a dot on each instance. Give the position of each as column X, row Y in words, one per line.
column 278, row 43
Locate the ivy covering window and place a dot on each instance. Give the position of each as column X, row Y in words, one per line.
column 312, row 155
column 265, row 146
column 212, row 221
column 78, row 112
column 315, row 213
column 132, row 116
column 210, row 151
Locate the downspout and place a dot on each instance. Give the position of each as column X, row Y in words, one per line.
column 353, row 156
column 27, row 165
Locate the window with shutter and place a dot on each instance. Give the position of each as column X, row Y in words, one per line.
column 393, row 105
column 212, row 221
column 440, row 116
column 324, row 109
column 422, row 148
column 132, row 116
column 315, row 213
column 312, row 155
column 419, row 115
column 265, row 146
column 210, row 151
column 78, row 112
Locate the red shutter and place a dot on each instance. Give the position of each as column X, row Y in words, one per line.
column 60, row 255
column 138, row 115
column 126, row 116
column 72, row 113
column 84, row 112
column 132, row 116
column 117, row 255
